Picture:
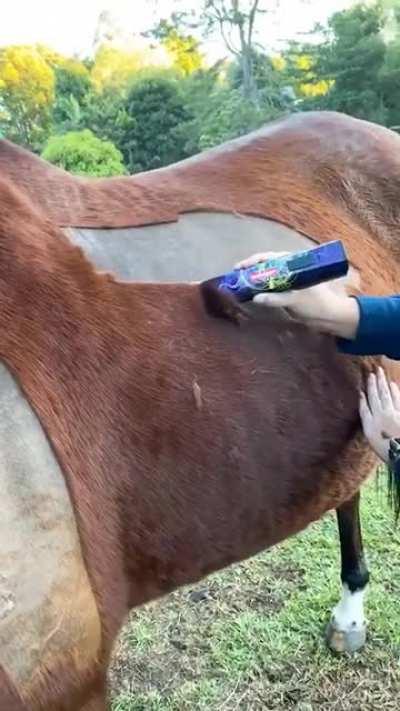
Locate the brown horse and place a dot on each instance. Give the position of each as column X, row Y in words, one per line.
column 144, row 443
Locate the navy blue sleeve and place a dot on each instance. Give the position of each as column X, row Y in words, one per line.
column 379, row 328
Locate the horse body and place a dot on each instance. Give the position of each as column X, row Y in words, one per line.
column 186, row 442
column 177, row 464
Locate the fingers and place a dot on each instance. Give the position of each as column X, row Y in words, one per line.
column 275, row 301
column 373, row 395
column 382, row 395
column 258, row 257
column 365, row 413
column 395, row 392
column 254, row 259
column 384, row 390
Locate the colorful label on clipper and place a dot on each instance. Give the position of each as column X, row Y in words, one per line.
column 258, row 279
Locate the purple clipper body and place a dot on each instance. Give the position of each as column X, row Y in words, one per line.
column 298, row 270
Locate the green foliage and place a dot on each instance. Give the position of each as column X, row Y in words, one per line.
column 114, row 67
column 266, row 76
column 184, row 49
column 72, row 85
column 353, row 61
column 227, row 116
column 299, row 68
column 158, row 135
column 353, row 65
column 215, row 99
column 160, row 104
column 82, row 153
column 106, row 115
column 198, row 90
column 389, row 83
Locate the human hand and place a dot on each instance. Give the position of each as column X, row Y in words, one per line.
column 321, row 307
column 380, row 413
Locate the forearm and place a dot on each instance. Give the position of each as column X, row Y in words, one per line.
column 378, row 329
column 364, row 325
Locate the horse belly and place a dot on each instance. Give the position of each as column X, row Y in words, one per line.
column 48, row 612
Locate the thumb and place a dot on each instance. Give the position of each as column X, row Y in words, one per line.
column 275, row 301
column 365, row 412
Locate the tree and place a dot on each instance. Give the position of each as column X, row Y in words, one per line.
column 236, row 22
column 117, row 68
column 183, row 48
column 82, row 153
column 354, row 60
column 389, row 84
column 347, row 64
column 159, row 133
column 236, row 18
column 300, row 69
column 264, row 72
column 199, row 91
column 221, row 101
column 72, row 79
column 72, row 86
column 274, row 94
column 220, row 112
column 391, row 14
column 26, row 94
column 230, row 117
column 105, row 113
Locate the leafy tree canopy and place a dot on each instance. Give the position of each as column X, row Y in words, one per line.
column 27, row 94
column 82, row 153
column 159, row 133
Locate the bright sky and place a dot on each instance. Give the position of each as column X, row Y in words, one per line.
column 68, row 25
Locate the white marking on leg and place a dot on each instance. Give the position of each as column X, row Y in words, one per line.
column 349, row 612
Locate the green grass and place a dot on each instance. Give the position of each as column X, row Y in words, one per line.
column 256, row 639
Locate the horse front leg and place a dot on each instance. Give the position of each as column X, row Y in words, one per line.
column 347, row 630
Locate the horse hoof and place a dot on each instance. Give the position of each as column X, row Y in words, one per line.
column 345, row 641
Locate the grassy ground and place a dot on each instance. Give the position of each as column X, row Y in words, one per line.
column 252, row 636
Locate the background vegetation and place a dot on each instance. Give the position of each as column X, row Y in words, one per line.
column 163, row 102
